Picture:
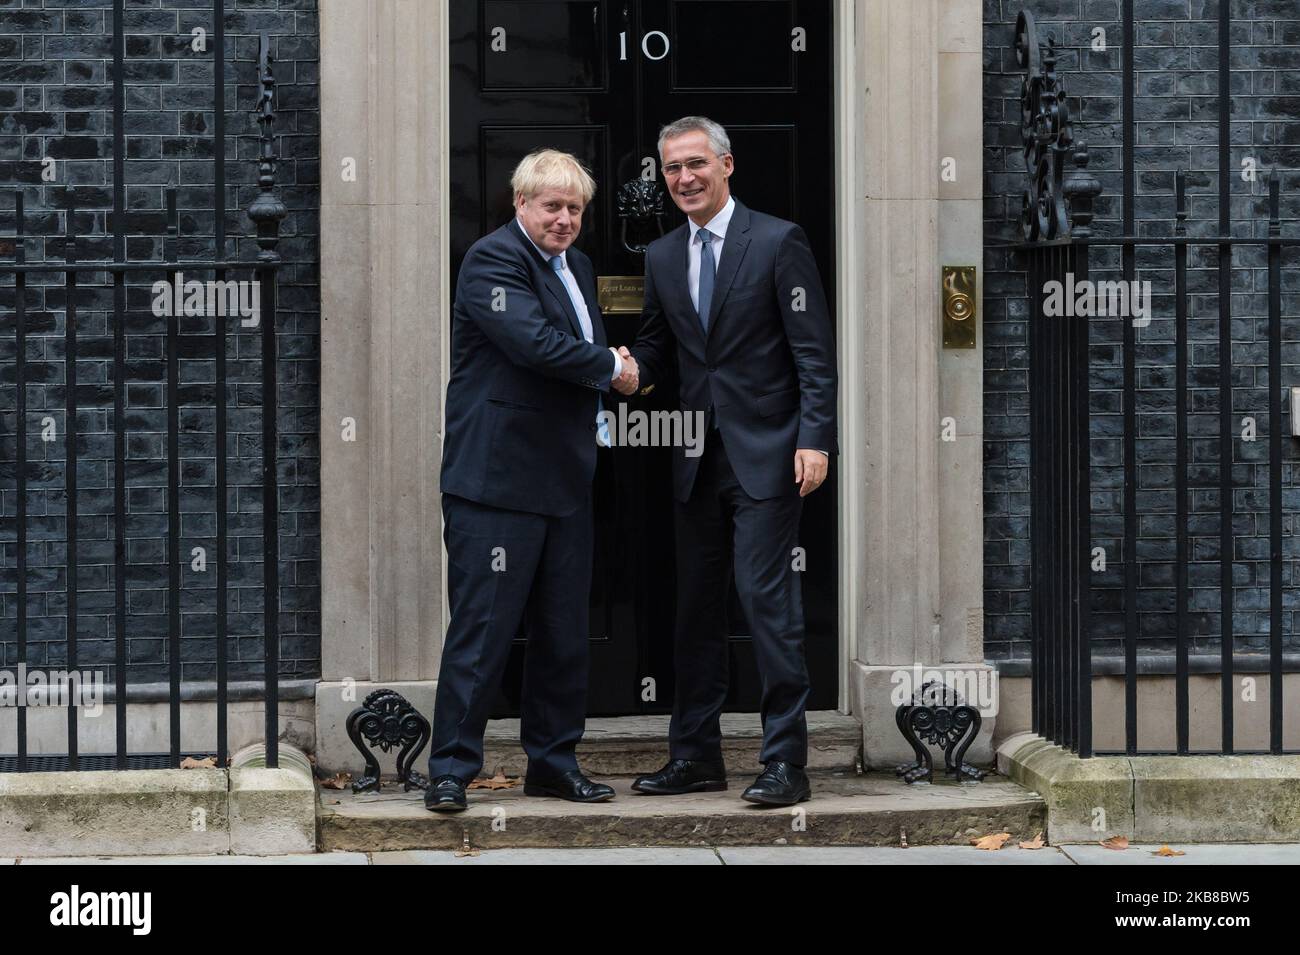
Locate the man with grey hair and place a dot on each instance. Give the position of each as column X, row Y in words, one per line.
column 734, row 297
column 528, row 363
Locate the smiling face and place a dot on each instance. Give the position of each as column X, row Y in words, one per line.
column 700, row 193
column 552, row 218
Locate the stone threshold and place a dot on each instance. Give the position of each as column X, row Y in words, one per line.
column 1158, row 799
column 847, row 809
column 631, row 745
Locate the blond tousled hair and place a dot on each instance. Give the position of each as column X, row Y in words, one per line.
column 551, row 169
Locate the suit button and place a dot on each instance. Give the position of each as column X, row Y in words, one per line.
column 713, row 368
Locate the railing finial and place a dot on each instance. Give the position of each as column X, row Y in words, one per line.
column 1180, row 198
column 1274, row 203
column 1051, row 207
column 1080, row 190
column 266, row 210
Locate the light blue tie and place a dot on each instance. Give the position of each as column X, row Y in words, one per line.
column 580, row 309
column 706, row 277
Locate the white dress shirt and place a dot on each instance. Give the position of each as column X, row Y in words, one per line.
column 717, row 227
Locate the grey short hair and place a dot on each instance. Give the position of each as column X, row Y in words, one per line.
column 719, row 142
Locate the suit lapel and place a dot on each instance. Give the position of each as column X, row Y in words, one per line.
column 549, row 278
column 733, row 252
column 561, row 294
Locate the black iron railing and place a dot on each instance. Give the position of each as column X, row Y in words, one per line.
column 80, row 280
column 1067, row 547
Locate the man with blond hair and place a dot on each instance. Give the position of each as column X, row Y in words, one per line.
column 529, row 361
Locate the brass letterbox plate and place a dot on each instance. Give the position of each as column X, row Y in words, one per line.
column 620, row 294
column 958, row 295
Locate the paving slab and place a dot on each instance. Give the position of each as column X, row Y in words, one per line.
column 846, row 809
column 888, row 855
column 654, row 856
column 1196, row 854
column 323, row 858
column 1209, row 854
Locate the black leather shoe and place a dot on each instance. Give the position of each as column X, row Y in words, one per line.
column 445, row 794
column 780, row 784
column 683, row 776
column 572, row 786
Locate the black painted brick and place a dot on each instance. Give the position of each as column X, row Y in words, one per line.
column 1176, row 107
column 56, row 101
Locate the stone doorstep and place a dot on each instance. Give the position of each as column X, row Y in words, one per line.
column 846, row 809
column 630, row 745
column 247, row 809
column 1158, row 799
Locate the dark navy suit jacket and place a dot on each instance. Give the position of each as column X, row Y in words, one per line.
column 767, row 365
column 523, row 393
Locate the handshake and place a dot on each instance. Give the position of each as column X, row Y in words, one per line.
column 630, row 379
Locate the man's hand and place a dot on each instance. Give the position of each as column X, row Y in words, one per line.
column 809, row 470
column 630, row 379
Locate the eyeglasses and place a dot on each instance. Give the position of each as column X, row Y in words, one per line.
column 694, row 165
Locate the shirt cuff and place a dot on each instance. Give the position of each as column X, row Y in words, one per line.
column 618, row 366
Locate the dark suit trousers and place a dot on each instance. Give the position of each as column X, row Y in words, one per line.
column 721, row 521
column 545, row 588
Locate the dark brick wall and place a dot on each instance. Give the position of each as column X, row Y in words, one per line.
column 1176, row 108
column 56, row 100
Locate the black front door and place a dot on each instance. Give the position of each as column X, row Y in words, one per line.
column 598, row 78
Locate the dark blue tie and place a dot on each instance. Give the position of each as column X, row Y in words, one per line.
column 706, row 277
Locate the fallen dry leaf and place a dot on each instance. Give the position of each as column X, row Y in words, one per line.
column 1166, row 851
column 992, row 841
column 1116, row 842
column 1034, row 843
column 499, row 781
column 207, row 762
column 337, row 781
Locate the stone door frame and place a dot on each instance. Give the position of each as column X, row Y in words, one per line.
column 910, row 544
